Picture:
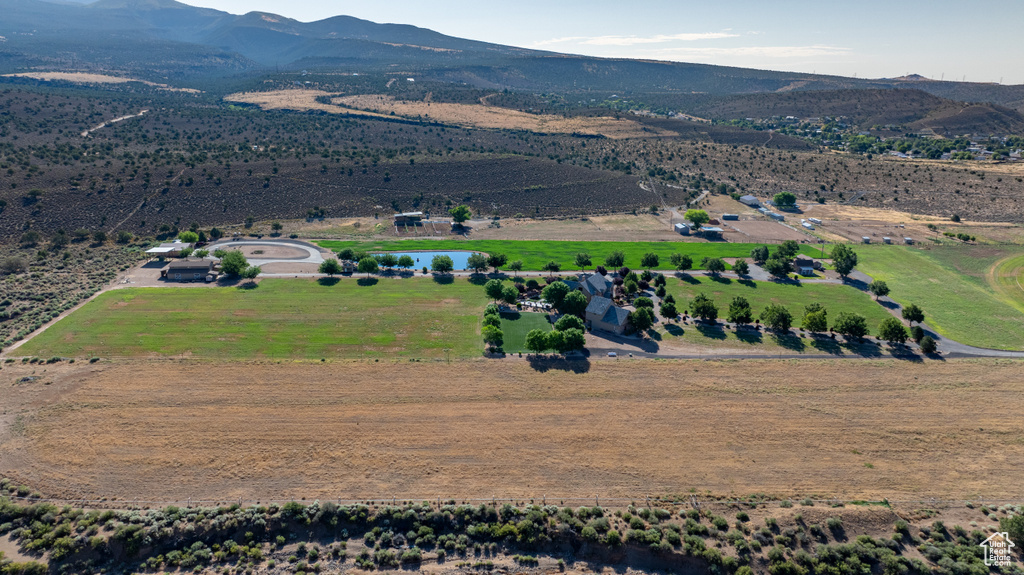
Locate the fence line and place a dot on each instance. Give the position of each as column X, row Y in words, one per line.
column 690, row 500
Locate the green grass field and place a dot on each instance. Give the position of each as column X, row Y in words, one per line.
column 951, row 285
column 795, row 297
column 516, row 326
column 536, row 253
column 281, row 318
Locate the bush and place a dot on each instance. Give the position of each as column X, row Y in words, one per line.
column 928, row 344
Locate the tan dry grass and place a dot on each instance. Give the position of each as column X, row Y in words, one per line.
column 87, row 78
column 178, row 429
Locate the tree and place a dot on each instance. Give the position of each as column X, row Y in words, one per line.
column 251, row 272
column 477, row 262
column 641, row 319
column 516, row 266
column 649, row 260
column 492, row 319
column 713, row 265
column 631, row 287
column 916, row 333
column 555, row 340
column 815, row 319
column 188, row 237
column 216, row 234
column 460, row 214
column 913, row 314
column 124, row 237
column 741, row 267
column 569, row 322
column 552, row 266
column 29, row 239
column 704, row 307
column 928, row 344
column 493, row 335
column 574, row 303
column 233, row 262
column 14, row 265
column 555, row 293
column 330, row 267
column 387, row 261
column 759, row 254
column 536, row 340
column 776, row 317
column 276, row 226
column 643, row 302
column 573, row 339
column 348, row 254
column 668, row 309
column 99, row 236
column 494, row 289
column 788, row 249
column 582, row 260
column 368, row 265
column 442, row 264
column 892, row 331
column 682, row 262
column 698, row 217
column 851, row 325
column 497, row 261
column 81, row 234
column 777, row 267
column 405, row 262
column 879, row 288
column 843, row 259
column 615, row 259
column 784, row 200
column 739, row 311
column 509, row 295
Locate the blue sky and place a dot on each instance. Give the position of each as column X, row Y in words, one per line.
column 868, row 38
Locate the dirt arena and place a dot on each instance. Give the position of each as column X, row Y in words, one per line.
column 171, row 430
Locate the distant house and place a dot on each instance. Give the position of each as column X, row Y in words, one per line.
column 865, row 239
column 804, row 266
column 596, row 285
column 711, row 232
column 750, row 201
column 189, row 270
column 682, row 229
column 348, row 266
column 602, row 314
column 169, row 249
column 408, row 218
column 908, row 241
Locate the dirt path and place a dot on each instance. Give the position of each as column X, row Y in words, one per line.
column 86, row 133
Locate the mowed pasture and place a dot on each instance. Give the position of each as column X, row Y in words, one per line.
column 961, row 289
column 281, row 318
column 854, row 429
column 794, row 296
column 515, row 326
column 536, row 253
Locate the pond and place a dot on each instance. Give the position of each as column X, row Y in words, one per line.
column 460, row 259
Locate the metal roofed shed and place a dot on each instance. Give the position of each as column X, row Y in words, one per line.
column 730, row 217
column 750, row 201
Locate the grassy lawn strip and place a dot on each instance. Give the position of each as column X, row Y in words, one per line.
column 795, row 297
column 281, row 318
column 515, row 326
column 949, row 284
column 536, row 253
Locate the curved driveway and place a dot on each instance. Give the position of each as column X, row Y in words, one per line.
column 314, row 255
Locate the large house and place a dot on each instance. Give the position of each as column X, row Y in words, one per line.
column 596, row 285
column 169, row 249
column 602, row 314
column 190, row 270
column 804, row 266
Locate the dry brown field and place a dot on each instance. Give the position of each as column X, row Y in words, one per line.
column 764, row 231
column 170, row 430
column 88, row 78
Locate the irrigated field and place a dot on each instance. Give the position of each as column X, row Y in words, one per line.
column 515, row 326
column 952, row 285
column 537, row 253
column 282, row 318
column 178, row 429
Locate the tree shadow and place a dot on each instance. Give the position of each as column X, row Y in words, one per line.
column 444, row 279
column 155, row 264
column 863, row 348
column 905, row 353
column 688, row 278
column 720, row 279
column 674, row 329
column 328, row 281
column 747, row 283
column 750, row 336
column 711, row 330
column 367, row 282
column 478, row 279
column 887, row 304
column 545, row 363
column 826, row 344
column 788, row 341
column 248, row 285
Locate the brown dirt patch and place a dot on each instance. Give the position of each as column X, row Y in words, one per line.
column 765, row 231
column 170, row 430
column 271, row 251
column 87, row 78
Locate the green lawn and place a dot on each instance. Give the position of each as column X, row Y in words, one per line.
column 515, row 326
column 949, row 283
column 536, row 253
column 281, row 318
column 795, row 297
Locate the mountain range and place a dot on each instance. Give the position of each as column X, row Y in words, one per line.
column 160, row 39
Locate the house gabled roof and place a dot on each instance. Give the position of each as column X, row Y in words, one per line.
column 599, row 306
column 596, row 283
column 606, row 309
column 615, row 316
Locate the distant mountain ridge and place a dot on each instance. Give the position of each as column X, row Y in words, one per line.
column 167, row 38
